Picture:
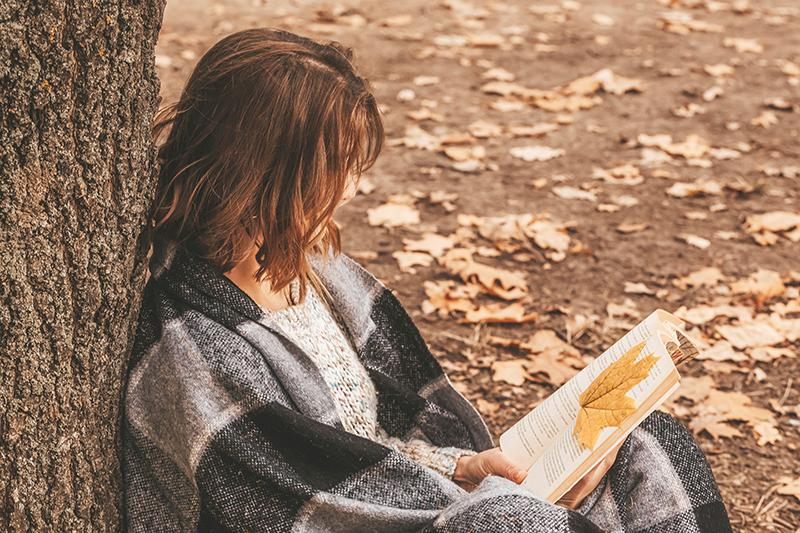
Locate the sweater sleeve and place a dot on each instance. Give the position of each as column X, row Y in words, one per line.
column 442, row 459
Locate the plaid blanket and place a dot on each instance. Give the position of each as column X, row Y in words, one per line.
column 229, row 426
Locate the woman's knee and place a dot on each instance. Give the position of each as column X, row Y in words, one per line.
column 673, row 436
column 663, row 447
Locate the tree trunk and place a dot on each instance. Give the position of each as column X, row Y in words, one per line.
column 78, row 91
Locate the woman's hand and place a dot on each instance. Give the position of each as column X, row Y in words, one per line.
column 575, row 496
column 471, row 469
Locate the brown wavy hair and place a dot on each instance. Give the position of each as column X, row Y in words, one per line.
column 260, row 147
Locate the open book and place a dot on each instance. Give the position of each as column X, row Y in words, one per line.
column 543, row 441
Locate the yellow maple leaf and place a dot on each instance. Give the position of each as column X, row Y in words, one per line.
column 605, row 403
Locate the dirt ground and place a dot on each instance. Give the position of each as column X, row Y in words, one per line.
column 551, row 48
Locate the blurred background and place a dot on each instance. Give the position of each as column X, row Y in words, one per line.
column 555, row 171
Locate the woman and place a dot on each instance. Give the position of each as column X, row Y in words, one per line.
column 277, row 385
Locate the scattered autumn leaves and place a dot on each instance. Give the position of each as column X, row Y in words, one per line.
column 745, row 325
column 493, row 98
column 702, row 154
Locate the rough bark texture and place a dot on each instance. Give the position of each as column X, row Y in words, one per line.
column 78, row 91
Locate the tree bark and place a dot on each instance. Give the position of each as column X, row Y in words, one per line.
column 78, row 91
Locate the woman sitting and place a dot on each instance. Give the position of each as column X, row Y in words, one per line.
column 277, row 385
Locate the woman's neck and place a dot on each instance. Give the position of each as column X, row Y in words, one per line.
column 243, row 276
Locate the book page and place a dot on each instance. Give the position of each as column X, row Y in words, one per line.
column 561, row 460
column 529, row 437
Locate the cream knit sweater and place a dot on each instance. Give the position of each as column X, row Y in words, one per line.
column 315, row 328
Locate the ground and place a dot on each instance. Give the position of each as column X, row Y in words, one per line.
column 546, row 47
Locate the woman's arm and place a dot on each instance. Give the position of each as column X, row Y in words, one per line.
column 442, row 459
column 466, row 467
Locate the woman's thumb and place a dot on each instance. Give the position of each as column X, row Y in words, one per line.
column 511, row 471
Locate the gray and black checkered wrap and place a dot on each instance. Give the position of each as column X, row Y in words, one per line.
column 230, row 427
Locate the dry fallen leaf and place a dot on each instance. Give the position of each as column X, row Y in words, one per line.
column 616, row 84
column 632, row 227
column 762, row 285
column 696, row 188
column 705, row 277
column 512, row 371
column 602, row 20
column 743, row 45
column 536, row 153
column 719, row 407
column 482, row 129
column 766, row 433
column 392, row 214
column 552, row 356
column 765, row 119
column 408, row 260
column 703, row 314
column 682, row 23
column 432, row 243
column 605, row 403
column 688, row 110
column 536, row 130
column 505, row 284
column 718, row 70
column 766, row 227
column 627, row 174
column 573, row 193
column 751, row 334
column 445, row 297
column 789, row 487
column 557, row 367
column 499, row 313
column 694, row 389
column 637, row 288
column 722, row 351
column 695, row 240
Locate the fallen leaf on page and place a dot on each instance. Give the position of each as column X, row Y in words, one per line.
column 605, row 403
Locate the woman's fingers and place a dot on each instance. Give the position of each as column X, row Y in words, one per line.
column 575, row 496
column 498, row 464
column 509, row 470
column 472, row 469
